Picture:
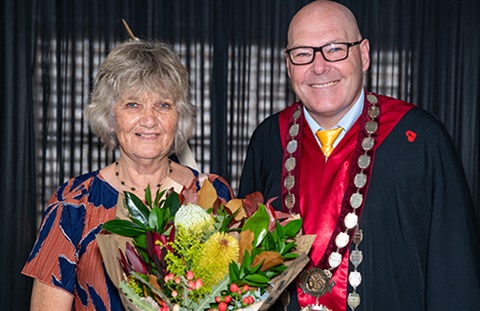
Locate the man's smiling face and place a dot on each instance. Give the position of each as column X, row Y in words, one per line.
column 327, row 89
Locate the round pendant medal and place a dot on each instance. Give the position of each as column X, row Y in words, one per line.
column 315, row 282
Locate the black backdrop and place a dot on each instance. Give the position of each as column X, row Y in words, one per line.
column 423, row 51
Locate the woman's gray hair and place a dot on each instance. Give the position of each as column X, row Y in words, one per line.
column 138, row 66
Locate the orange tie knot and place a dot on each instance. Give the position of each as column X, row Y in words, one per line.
column 327, row 138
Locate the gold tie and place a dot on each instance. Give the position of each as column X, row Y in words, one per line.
column 327, row 137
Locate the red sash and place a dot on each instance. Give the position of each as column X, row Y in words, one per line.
column 325, row 187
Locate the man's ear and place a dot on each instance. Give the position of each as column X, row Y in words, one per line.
column 287, row 62
column 365, row 51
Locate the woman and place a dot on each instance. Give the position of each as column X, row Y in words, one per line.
column 140, row 105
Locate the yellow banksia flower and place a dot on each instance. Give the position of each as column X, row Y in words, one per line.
column 219, row 250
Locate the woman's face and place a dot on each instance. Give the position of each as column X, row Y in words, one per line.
column 146, row 125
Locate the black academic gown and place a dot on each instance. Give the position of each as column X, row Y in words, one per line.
column 421, row 243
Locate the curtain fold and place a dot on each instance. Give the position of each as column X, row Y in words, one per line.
column 17, row 160
column 220, row 37
column 423, row 51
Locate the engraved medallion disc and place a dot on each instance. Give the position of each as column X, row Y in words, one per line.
column 293, row 130
column 315, row 282
column 358, row 236
column 371, row 127
column 290, row 164
column 373, row 112
column 367, row 143
column 353, row 300
column 292, row 146
column 372, row 98
column 289, row 182
column 356, row 200
column 335, row 259
column 350, row 220
column 297, row 113
column 360, row 180
column 290, row 201
column 342, row 240
column 356, row 257
column 354, row 278
column 364, row 161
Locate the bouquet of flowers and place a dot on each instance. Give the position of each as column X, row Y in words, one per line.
column 192, row 251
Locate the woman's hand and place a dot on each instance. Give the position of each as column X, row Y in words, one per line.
column 47, row 297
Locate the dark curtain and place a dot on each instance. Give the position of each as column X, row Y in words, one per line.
column 17, row 164
column 434, row 54
column 424, row 51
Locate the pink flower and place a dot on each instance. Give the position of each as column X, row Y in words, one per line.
column 168, row 277
column 198, row 283
column 190, row 275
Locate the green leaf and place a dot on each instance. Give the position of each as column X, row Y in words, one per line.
column 137, row 208
column 173, row 202
column 258, row 224
column 274, row 271
column 245, row 266
column 141, row 241
column 257, row 278
column 148, row 195
column 256, row 268
column 233, row 271
column 138, row 223
column 279, row 231
column 153, row 218
column 281, row 247
column 158, row 218
column 247, row 261
column 290, row 255
column 124, row 228
column 292, row 228
column 253, row 284
column 134, row 298
column 287, row 248
column 158, row 196
column 271, row 275
column 227, row 219
column 269, row 243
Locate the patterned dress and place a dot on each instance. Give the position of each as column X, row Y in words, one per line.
column 66, row 253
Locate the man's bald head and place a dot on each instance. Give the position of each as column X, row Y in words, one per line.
column 323, row 12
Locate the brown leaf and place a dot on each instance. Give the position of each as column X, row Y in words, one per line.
column 207, row 195
column 153, row 280
column 245, row 243
column 251, row 201
column 234, row 205
column 270, row 259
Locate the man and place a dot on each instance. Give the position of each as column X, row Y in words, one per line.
column 390, row 205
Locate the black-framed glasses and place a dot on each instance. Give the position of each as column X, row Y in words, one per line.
column 332, row 52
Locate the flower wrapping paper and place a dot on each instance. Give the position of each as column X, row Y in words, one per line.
column 110, row 244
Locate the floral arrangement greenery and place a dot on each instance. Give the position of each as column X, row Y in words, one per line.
column 183, row 256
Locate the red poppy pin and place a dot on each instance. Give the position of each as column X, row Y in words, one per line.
column 411, row 136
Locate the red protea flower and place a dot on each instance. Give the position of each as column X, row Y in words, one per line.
column 134, row 260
